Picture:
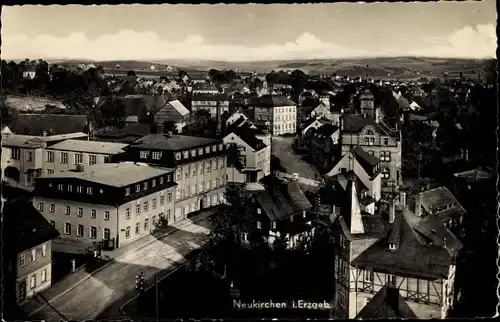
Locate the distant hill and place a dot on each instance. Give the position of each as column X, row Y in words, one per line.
column 110, row 64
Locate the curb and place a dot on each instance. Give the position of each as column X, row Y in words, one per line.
column 112, row 261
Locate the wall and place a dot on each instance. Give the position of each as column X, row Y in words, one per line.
column 284, row 120
column 39, row 286
column 58, row 166
column 23, row 164
column 234, row 117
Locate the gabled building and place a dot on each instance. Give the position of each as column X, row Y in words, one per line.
column 255, row 155
column 199, row 163
column 325, row 146
column 366, row 168
column 173, row 111
column 27, row 261
column 23, row 156
column 322, row 111
column 279, row 211
column 261, row 133
column 310, row 124
column 393, row 245
column 275, row 111
column 210, row 102
column 378, row 139
column 112, row 203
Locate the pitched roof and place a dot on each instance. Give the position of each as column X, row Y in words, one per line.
column 326, row 130
column 387, row 303
column 354, row 123
column 367, row 161
column 281, row 200
column 126, row 135
column 173, row 142
column 204, row 87
column 23, row 227
column 113, row 174
column 200, row 97
column 36, row 124
column 248, row 136
column 271, row 101
column 437, row 199
column 179, row 107
column 16, row 140
column 89, row 146
column 412, row 256
column 351, row 210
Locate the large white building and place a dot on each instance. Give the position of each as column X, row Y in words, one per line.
column 275, row 111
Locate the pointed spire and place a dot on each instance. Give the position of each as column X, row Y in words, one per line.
column 353, row 215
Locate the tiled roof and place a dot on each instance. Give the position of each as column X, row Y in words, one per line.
column 173, row 142
column 16, row 140
column 179, row 107
column 326, row 130
column 354, row 123
column 272, row 101
column 288, row 199
column 23, row 227
column 387, row 303
column 413, row 255
column 89, row 146
column 113, row 174
column 36, row 124
column 248, row 136
column 200, row 97
column 438, row 198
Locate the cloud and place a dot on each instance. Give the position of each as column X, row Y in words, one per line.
column 468, row 42
column 127, row 44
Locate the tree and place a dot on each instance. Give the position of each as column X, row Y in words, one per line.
column 235, row 157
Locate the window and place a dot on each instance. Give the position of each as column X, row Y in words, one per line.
column 207, row 149
column 70, row 188
column 67, row 210
column 178, row 174
column 214, row 148
column 92, row 159
column 178, row 194
column 154, row 203
column 90, row 190
column 40, row 206
column 33, row 255
column 67, row 228
column 207, row 185
column 169, row 196
column 214, row 184
column 153, row 221
column 79, row 189
column 221, row 147
column 137, row 228
column 146, row 206
column 259, row 211
column 145, row 184
column 79, row 230
column 214, row 200
column 169, row 214
column 193, row 169
column 162, row 200
column 52, row 208
column 50, row 156
column 50, row 171
column 385, row 173
column 93, row 213
column 156, row 155
column 221, row 162
column 185, row 154
column 144, row 154
column 78, row 158
column 273, row 225
column 146, row 224
column 127, row 213
column 60, row 187
column 186, row 172
column 107, row 159
column 385, row 156
column 127, row 191
column 93, row 232
column 200, row 151
column 209, row 166
column 392, row 246
column 44, row 249
column 107, row 234
column 208, row 201
column 161, row 180
column 29, row 156
column 64, row 158
column 386, row 141
column 259, row 226
column 216, row 164
column 193, row 189
column 127, row 232
column 202, row 167
column 16, row 154
column 193, row 152
column 368, row 276
column 22, row 260
column 44, row 275
column 32, row 281
column 177, row 155
column 137, row 187
column 53, row 223
column 153, row 183
column 106, row 215
column 138, row 209
column 201, row 186
column 188, row 190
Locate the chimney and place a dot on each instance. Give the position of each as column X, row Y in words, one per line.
column 392, row 296
column 418, row 205
column 392, row 212
column 402, row 198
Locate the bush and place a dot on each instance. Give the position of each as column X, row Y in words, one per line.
column 162, row 222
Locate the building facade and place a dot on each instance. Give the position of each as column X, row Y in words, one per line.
column 199, row 163
column 113, row 203
column 275, row 111
column 210, row 102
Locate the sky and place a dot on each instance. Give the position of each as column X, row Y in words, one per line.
column 249, row 32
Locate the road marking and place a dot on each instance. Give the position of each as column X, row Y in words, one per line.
column 114, row 260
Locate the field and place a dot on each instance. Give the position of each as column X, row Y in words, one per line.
column 395, row 67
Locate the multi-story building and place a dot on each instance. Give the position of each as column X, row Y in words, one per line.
column 324, row 145
column 210, row 102
column 375, row 137
column 255, row 156
column 113, row 203
column 394, row 245
column 72, row 154
column 204, row 88
column 23, row 156
column 27, row 261
column 200, row 167
column 275, row 111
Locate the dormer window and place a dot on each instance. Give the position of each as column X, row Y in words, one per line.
column 137, row 187
column 207, row 149
column 259, row 225
column 200, row 151
column 273, row 225
column 144, row 154
column 90, row 190
column 221, row 147
column 177, row 155
column 392, row 246
column 259, row 211
column 193, row 152
column 186, row 154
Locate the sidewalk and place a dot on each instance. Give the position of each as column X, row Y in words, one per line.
column 86, row 271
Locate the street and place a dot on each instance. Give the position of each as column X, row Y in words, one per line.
column 108, row 286
column 293, row 163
